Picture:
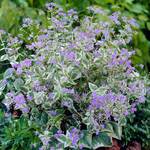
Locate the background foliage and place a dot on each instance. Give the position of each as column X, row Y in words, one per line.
column 138, row 126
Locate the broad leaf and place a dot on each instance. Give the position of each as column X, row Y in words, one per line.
column 101, row 140
column 86, row 139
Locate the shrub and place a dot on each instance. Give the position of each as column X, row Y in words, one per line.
column 78, row 84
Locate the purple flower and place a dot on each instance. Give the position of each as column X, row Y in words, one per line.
column 57, row 23
column 38, row 87
column 58, row 134
column 114, row 17
column 81, row 146
column 74, row 136
column 10, row 94
column 52, row 113
column 141, row 99
column 19, row 71
column 27, row 22
column 26, row 63
column 97, row 101
column 133, row 22
column 53, row 61
column 45, row 140
column 15, row 65
column 19, row 100
column 126, row 113
column 68, row 91
column 25, row 109
column 66, row 103
column 41, row 58
column 39, row 44
column 133, row 109
column 97, row 31
column 38, row 63
column 50, row 6
column 31, row 47
column 102, row 102
column 29, row 98
column 71, row 12
column 69, row 55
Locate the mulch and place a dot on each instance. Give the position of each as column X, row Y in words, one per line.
column 116, row 146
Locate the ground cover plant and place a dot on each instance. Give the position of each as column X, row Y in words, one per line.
column 73, row 79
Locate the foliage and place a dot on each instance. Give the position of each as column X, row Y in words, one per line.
column 73, row 79
column 138, row 126
column 17, row 134
column 12, row 13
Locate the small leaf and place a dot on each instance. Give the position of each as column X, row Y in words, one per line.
column 123, row 122
column 4, row 57
column 102, row 90
column 39, row 97
column 3, row 84
column 18, row 83
column 92, row 87
column 148, row 25
column 8, row 73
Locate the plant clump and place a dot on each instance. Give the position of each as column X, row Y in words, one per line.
column 78, row 83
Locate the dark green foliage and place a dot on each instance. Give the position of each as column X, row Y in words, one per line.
column 13, row 11
column 16, row 134
column 138, row 126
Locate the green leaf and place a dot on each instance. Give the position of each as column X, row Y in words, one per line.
column 101, row 140
column 102, row 90
column 93, row 87
column 137, row 8
column 114, row 130
column 4, row 57
column 65, row 140
column 2, row 85
column 123, row 122
column 86, row 139
column 8, row 73
column 104, row 2
column 39, row 97
column 18, row 83
column 143, row 17
column 9, row 15
column 148, row 25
